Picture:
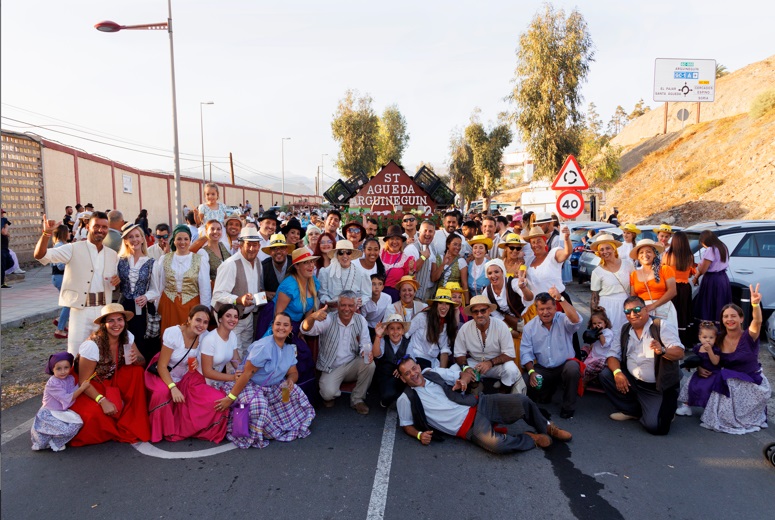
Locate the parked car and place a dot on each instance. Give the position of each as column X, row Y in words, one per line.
column 578, row 230
column 510, row 210
column 771, row 334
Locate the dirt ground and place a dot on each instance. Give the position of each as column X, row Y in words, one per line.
column 24, row 356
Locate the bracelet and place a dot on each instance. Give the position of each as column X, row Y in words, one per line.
column 754, row 305
column 530, row 372
column 99, row 398
column 171, row 386
column 419, row 434
column 617, row 371
column 232, row 396
column 46, row 234
column 464, row 369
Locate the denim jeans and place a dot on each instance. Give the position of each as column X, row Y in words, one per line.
column 64, row 314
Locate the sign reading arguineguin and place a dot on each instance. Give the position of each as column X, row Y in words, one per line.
column 390, row 188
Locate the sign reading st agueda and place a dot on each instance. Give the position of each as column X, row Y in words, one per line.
column 390, row 189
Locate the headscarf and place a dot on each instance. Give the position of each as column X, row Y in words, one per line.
column 56, row 358
column 498, row 263
column 180, row 228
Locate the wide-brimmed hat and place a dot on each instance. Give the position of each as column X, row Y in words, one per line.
column 395, row 231
column 233, row 216
column 352, row 225
column 632, row 228
column 511, row 239
column 302, row 254
column 293, row 224
column 443, row 295
column 113, row 308
column 249, row 234
column 664, row 228
column 86, row 215
column 407, row 279
column 536, row 232
column 275, row 241
column 479, row 300
column 268, row 214
column 481, row 239
column 645, row 243
column 455, row 287
column 345, row 245
column 604, row 239
column 543, row 217
column 396, row 318
column 127, row 228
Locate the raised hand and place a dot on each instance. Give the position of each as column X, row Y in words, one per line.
column 380, row 329
column 49, row 226
column 756, row 296
column 321, row 314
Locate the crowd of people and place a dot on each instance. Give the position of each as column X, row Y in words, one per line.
column 233, row 327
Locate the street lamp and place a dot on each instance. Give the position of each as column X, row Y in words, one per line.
column 283, row 159
column 322, row 162
column 202, row 129
column 111, row 27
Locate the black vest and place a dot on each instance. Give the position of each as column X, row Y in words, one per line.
column 270, row 278
column 666, row 372
column 420, row 421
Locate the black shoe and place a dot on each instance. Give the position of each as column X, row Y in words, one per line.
column 567, row 414
column 5, row 286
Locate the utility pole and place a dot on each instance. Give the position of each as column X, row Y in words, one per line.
column 231, row 165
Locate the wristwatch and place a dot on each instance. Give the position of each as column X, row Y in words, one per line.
column 562, row 299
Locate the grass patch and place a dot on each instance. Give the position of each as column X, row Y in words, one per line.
column 762, row 104
column 706, row 185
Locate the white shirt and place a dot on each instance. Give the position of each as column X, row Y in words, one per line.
column 354, row 278
column 265, row 242
column 343, row 352
column 624, row 251
column 91, row 351
column 502, row 298
column 180, row 264
column 498, row 341
column 173, row 339
column 546, row 275
column 640, row 356
column 418, row 332
column 608, row 283
column 221, row 351
column 442, row 414
column 155, row 252
column 375, row 311
column 227, row 275
column 63, row 254
column 440, row 243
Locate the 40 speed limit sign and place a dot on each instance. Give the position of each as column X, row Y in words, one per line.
column 570, row 204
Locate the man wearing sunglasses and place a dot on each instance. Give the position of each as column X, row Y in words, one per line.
column 162, row 245
column 344, row 274
column 409, row 223
column 547, row 350
column 642, row 377
column 435, row 401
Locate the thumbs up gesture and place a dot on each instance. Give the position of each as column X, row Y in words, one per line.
column 322, row 314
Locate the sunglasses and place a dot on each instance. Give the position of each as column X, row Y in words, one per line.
column 342, row 253
column 162, row 237
column 636, row 310
column 409, row 220
column 479, row 311
column 515, row 248
column 354, row 231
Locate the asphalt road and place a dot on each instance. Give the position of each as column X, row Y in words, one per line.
column 366, row 467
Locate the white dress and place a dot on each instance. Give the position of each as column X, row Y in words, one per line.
column 613, row 289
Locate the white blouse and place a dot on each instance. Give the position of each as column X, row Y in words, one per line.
column 91, row 351
column 608, row 283
column 546, row 275
column 173, row 339
column 180, row 264
column 221, row 351
column 418, row 343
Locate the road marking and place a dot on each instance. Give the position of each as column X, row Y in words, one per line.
column 382, row 476
column 146, row 448
column 15, row 432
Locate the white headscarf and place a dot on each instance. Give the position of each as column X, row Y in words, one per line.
column 498, row 263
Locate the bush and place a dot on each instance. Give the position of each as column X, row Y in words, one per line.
column 707, row 185
column 762, row 104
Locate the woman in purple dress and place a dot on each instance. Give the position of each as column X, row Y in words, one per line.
column 715, row 289
column 738, row 403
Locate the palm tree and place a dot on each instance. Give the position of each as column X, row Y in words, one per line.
column 721, row 70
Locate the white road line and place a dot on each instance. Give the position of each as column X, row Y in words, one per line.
column 15, row 432
column 146, row 448
column 382, row 476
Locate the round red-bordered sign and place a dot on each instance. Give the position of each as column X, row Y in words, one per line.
column 570, row 204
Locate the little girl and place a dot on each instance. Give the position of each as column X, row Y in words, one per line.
column 55, row 425
column 597, row 352
column 211, row 209
column 697, row 391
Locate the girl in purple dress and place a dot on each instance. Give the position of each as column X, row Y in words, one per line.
column 55, row 424
column 697, row 391
column 715, row 289
column 738, row 402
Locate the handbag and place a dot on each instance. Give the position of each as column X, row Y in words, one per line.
column 153, row 368
column 240, row 419
column 152, row 322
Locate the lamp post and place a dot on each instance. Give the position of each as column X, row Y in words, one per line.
column 283, row 159
column 322, row 162
column 202, row 130
column 111, row 27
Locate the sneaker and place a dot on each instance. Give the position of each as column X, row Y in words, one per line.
column 5, row 286
column 19, row 270
column 556, row 433
column 541, row 439
column 684, row 410
column 361, row 408
column 620, row 416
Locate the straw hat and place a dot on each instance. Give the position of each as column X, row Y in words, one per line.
column 407, row 279
column 643, row 243
column 604, row 239
column 277, row 240
column 664, row 228
column 479, row 300
column 113, row 308
column 512, row 239
column 537, row 232
column 127, row 228
column 455, row 287
column 345, row 245
column 395, row 318
column 233, row 216
column 302, row 255
column 481, row 239
column 632, row 228
column 543, row 218
column 443, row 295
column 249, row 234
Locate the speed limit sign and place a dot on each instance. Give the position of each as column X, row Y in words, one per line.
column 570, row 204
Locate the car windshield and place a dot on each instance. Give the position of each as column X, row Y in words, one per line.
column 694, row 240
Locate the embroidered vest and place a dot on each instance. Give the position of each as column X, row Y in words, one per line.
column 143, row 279
column 240, row 288
column 329, row 341
column 215, row 262
column 190, row 279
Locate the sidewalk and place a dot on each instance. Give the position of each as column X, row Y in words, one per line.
column 29, row 300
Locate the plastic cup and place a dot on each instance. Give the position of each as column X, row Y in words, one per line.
column 286, row 392
column 365, row 355
column 191, row 364
column 127, row 354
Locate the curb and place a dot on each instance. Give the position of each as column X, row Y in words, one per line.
column 32, row 318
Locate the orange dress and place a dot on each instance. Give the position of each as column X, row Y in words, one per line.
column 652, row 290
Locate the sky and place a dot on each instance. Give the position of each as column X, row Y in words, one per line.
column 277, row 70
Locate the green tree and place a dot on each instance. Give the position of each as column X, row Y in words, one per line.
column 594, row 123
column 553, row 60
column 638, row 110
column 461, row 167
column 617, row 122
column 356, row 128
column 721, row 70
column 393, row 136
column 487, row 152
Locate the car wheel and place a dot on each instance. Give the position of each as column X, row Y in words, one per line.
column 769, row 453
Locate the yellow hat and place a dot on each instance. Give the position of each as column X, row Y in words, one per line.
column 481, row 239
column 444, row 296
column 664, row 228
column 454, row 287
column 407, row 279
column 632, row 228
column 277, row 240
column 511, row 239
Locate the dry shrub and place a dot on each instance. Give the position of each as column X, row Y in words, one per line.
column 762, row 104
column 706, row 185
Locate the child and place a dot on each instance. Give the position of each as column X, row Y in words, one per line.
column 697, row 391
column 374, row 308
column 55, row 425
column 598, row 350
column 211, row 209
column 387, row 352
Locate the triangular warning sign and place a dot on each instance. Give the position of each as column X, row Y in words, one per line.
column 570, row 176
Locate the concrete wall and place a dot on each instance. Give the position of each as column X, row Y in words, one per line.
column 154, row 191
column 128, row 203
column 59, row 185
column 96, row 184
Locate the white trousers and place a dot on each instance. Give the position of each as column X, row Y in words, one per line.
column 508, row 373
column 81, row 325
